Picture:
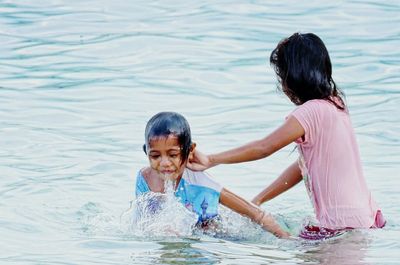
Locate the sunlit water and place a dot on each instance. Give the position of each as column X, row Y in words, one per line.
column 79, row 80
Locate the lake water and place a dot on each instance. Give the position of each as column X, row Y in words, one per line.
column 79, row 80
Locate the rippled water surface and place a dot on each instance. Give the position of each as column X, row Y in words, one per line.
column 79, row 79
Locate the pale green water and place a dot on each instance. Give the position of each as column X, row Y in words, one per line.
column 79, row 79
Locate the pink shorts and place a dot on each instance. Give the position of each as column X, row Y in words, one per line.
column 312, row 232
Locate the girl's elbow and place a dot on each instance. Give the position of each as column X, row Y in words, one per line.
column 265, row 149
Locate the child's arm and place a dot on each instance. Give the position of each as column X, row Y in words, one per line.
column 252, row 211
column 284, row 135
column 289, row 178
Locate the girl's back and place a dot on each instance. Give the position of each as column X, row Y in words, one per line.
column 330, row 162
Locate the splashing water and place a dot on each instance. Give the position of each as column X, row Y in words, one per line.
column 159, row 215
column 169, row 187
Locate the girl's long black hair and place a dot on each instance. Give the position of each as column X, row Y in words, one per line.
column 304, row 70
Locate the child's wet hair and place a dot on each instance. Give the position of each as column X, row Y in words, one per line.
column 164, row 124
column 304, row 69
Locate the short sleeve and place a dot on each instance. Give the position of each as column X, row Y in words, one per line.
column 308, row 116
column 203, row 179
column 141, row 185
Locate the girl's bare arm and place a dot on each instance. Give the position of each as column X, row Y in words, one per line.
column 289, row 178
column 284, row 135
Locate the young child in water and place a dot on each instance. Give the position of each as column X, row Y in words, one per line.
column 168, row 145
column 329, row 161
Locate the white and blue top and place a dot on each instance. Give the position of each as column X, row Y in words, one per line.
column 196, row 191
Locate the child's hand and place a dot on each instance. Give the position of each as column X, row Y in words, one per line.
column 270, row 224
column 198, row 161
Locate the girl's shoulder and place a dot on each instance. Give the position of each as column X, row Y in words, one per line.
column 144, row 172
column 310, row 109
column 141, row 183
column 144, row 175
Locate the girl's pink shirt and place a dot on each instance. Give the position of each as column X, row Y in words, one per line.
column 331, row 167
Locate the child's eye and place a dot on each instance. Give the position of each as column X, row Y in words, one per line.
column 154, row 156
column 174, row 155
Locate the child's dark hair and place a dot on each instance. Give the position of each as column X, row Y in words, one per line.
column 304, row 70
column 164, row 124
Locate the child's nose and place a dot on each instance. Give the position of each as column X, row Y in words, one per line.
column 165, row 161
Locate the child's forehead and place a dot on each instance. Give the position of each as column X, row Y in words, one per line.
column 170, row 140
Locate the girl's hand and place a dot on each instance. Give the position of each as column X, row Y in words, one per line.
column 198, row 161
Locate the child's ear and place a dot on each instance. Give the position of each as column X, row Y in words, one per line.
column 144, row 149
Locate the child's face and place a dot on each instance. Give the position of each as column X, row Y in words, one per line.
column 165, row 157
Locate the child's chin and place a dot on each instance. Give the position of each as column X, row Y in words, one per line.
column 171, row 177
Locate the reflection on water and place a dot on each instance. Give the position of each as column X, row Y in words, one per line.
column 79, row 79
column 183, row 253
column 348, row 249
